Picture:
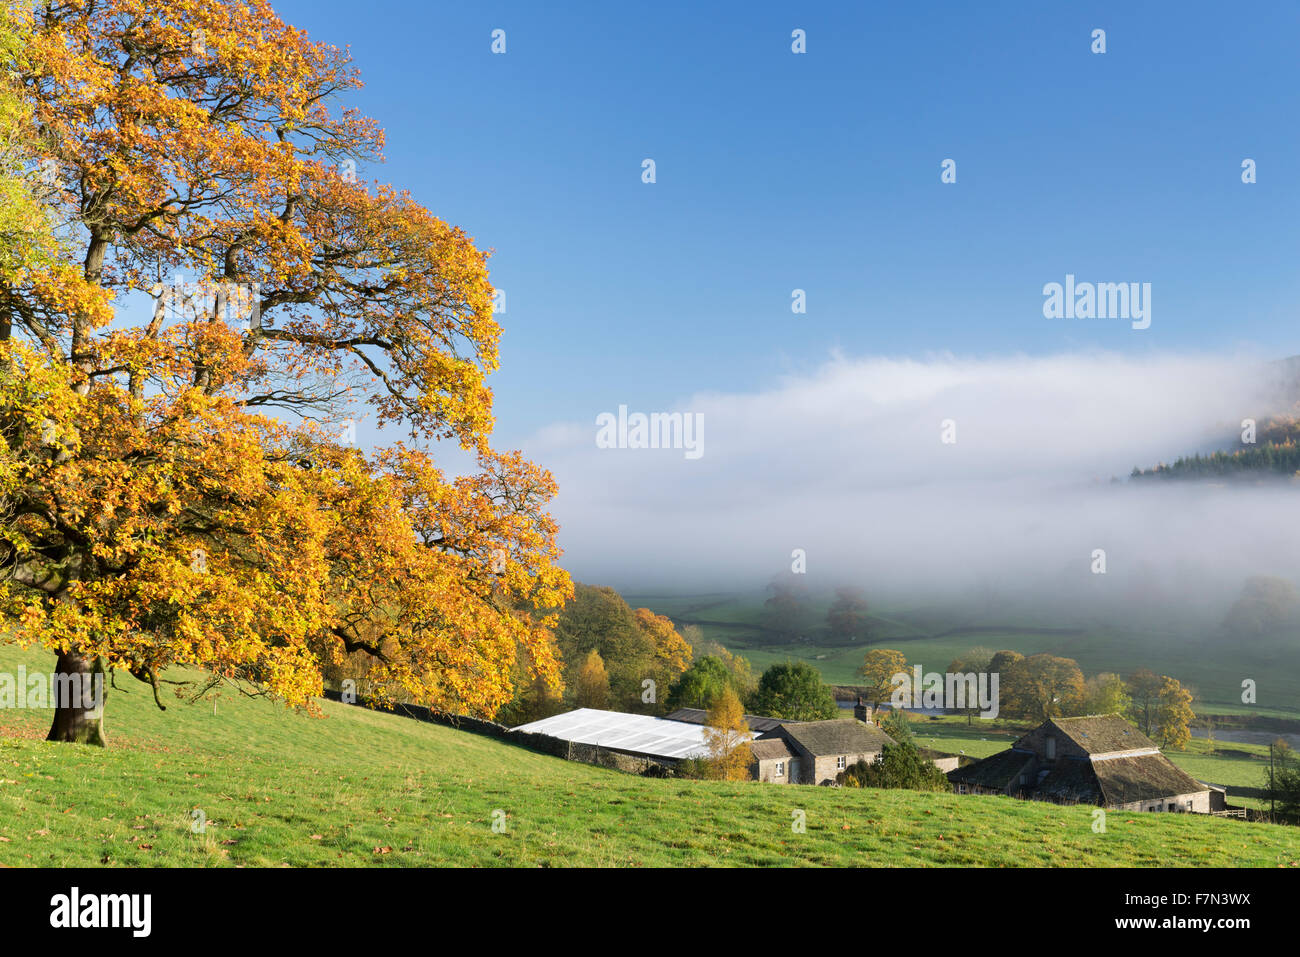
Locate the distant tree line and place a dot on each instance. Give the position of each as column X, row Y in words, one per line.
column 788, row 614
column 1043, row 686
column 612, row 657
column 617, row 658
column 1276, row 451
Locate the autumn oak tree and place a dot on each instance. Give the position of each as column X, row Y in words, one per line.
column 174, row 486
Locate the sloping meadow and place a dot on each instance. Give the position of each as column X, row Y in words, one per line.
column 245, row 782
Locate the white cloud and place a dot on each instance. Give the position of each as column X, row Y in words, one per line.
column 847, row 463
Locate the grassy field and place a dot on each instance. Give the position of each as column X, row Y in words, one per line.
column 935, row 636
column 357, row 788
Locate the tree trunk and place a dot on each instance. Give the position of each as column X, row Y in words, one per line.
column 78, row 700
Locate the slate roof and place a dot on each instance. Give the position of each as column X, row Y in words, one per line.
column 1070, row 780
column 770, row 749
column 996, row 771
column 836, row 736
column 1146, row 778
column 757, row 723
column 1126, row 779
column 1102, row 734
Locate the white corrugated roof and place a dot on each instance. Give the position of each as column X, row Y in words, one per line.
column 625, row 732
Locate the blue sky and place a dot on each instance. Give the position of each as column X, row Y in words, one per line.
column 821, row 171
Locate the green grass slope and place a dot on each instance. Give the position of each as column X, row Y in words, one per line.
column 357, row 788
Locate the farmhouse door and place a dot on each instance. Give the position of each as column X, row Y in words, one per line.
column 794, row 771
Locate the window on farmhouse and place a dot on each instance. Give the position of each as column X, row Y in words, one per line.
column 841, row 762
column 780, row 769
column 1050, row 746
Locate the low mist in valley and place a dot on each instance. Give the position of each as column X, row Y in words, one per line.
column 1004, row 521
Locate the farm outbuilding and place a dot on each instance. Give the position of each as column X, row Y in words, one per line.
column 781, row 751
column 640, row 735
column 1098, row 759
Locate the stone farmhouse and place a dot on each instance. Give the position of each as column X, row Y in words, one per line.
column 814, row 752
column 805, row 752
column 1100, row 759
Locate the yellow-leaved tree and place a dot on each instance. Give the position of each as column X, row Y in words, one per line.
column 672, row 654
column 1174, row 714
column 877, row 670
column 591, row 687
column 178, row 482
column 727, row 737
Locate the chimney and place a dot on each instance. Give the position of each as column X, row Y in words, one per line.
column 862, row 712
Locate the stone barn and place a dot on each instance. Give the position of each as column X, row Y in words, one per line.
column 1100, row 759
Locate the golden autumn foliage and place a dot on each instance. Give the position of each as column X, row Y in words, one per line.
column 173, row 482
column 591, row 687
column 877, row 670
column 1174, row 714
column 672, row 653
column 29, row 246
column 727, row 738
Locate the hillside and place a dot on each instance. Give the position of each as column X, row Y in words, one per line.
column 357, row 788
column 1275, row 454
